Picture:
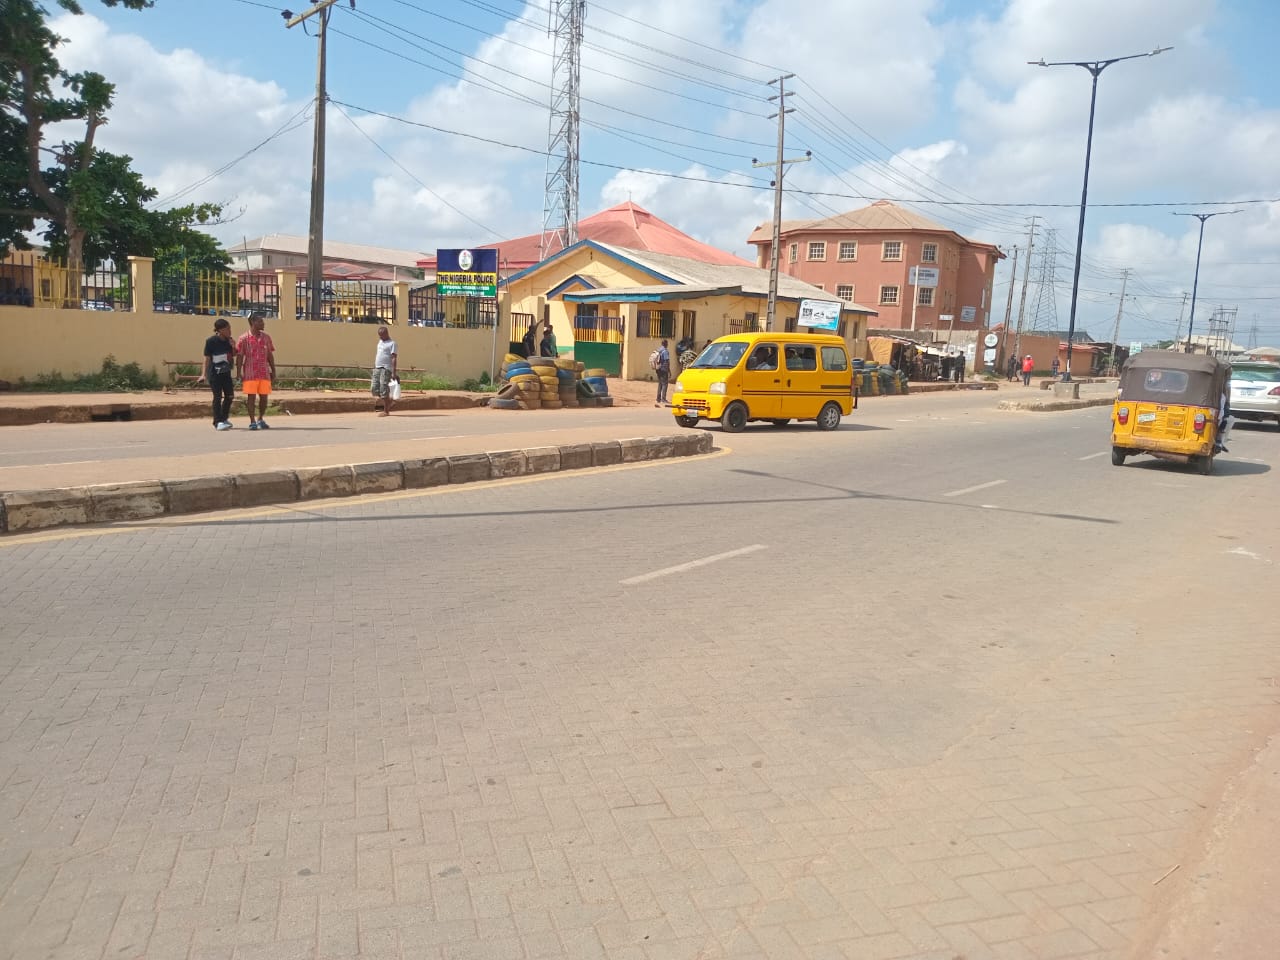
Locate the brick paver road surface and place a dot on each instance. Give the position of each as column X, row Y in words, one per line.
column 944, row 684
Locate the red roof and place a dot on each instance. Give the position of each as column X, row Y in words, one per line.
column 625, row 225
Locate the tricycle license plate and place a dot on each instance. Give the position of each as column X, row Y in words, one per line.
column 1146, row 418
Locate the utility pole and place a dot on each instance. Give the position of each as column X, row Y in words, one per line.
column 1008, row 309
column 1177, row 330
column 1124, row 282
column 779, row 164
column 315, row 236
column 1026, row 275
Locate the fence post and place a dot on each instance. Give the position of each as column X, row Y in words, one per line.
column 287, row 286
column 141, row 280
column 401, row 314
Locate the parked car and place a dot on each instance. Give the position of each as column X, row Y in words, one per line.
column 1255, row 391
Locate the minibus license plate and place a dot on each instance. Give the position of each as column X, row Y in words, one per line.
column 1146, row 418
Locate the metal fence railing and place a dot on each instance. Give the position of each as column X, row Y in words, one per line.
column 260, row 292
column 30, row 280
column 589, row 328
column 750, row 323
column 180, row 290
column 428, row 309
column 349, row 301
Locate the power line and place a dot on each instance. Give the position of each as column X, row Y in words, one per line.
column 364, row 133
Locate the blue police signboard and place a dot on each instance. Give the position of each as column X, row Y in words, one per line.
column 467, row 273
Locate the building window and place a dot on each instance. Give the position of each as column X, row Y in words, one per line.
column 844, row 291
column 751, row 323
column 889, row 296
column 818, row 250
column 656, row 323
column 789, row 325
column 929, row 253
column 688, row 324
column 891, row 250
column 848, row 249
column 794, row 253
column 268, row 259
column 924, row 296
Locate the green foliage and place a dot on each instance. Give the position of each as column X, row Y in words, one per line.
column 112, row 378
column 92, row 202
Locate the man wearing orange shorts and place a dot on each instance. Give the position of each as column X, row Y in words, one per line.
column 256, row 368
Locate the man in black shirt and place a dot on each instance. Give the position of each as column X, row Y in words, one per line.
column 219, row 353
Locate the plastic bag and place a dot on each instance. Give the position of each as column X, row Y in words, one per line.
column 394, row 389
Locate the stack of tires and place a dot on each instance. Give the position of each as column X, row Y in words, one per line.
column 567, row 386
column 545, row 370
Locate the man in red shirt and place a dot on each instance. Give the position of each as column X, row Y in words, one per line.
column 1028, row 365
column 256, row 368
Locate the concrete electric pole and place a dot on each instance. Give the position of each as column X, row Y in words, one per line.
column 1001, row 359
column 315, row 236
column 1026, row 275
column 1124, row 282
column 779, row 164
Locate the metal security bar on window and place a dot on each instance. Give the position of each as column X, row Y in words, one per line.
column 656, row 323
column 689, row 325
column 750, row 323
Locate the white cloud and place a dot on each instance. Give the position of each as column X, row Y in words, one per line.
column 964, row 114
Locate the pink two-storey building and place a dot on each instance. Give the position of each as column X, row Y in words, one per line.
column 866, row 255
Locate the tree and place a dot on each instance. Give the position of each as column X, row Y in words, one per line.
column 93, row 201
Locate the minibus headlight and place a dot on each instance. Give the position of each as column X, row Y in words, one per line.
column 716, row 388
column 679, row 386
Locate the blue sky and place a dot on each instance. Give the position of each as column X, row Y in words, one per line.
column 916, row 100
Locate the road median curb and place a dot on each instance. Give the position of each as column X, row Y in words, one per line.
column 27, row 511
column 1051, row 406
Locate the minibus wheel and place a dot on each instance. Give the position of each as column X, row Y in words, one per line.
column 829, row 417
column 687, row 421
column 734, row 419
column 1117, row 456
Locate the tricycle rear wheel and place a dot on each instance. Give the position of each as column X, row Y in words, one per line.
column 1117, row 456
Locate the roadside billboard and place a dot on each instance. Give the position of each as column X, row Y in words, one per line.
column 819, row 315
column 467, row 273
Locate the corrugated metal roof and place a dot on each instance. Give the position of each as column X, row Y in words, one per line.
column 333, row 250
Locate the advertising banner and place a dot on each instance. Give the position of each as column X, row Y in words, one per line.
column 467, row 273
column 819, row 315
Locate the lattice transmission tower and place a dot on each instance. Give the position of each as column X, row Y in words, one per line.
column 560, row 200
column 1044, row 314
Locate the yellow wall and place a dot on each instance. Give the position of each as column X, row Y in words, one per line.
column 40, row 340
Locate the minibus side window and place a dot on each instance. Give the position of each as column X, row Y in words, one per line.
column 763, row 357
column 834, row 358
column 801, row 357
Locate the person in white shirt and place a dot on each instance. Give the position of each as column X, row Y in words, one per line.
column 384, row 370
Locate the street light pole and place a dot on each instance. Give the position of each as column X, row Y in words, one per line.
column 1202, row 217
column 1095, row 68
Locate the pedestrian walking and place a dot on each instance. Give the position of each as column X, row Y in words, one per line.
column 662, row 367
column 1056, row 367
column 384, row 370
column 530, row 341
column 957, row 368
column 216, row 371
column 1011, row 368
column 256, row 369
column 1027, row 366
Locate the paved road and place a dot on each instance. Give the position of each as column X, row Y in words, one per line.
column 942, row 684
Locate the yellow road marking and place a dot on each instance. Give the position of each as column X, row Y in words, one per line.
column 305, row 506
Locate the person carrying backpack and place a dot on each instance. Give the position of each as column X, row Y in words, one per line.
column 660, row 360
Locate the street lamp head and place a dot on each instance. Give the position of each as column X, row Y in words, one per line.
column 1158, row 50
column 286, row 14
column 1037, row 63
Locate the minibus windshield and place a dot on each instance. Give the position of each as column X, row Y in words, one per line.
column 719, row 356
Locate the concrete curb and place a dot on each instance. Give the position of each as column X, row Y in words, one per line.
column 1049, row 406
column 196, row 409
column 26, row 511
